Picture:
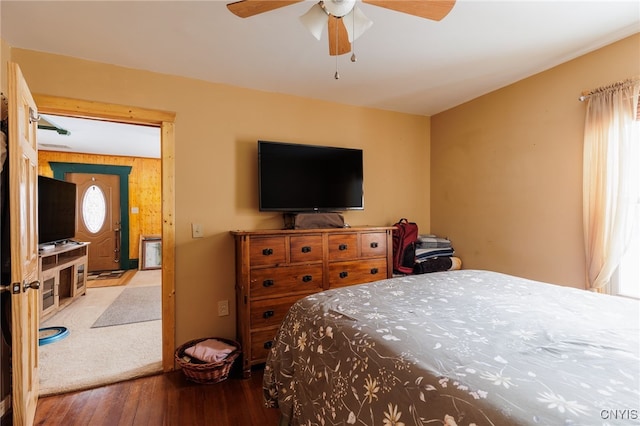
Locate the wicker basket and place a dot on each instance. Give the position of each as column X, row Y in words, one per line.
column 207, row 373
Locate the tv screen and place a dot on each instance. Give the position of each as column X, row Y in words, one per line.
column 302, row 178
column 56, row 210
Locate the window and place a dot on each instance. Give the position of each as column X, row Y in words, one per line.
column 612, row 188
column 626, row 279
column 94, row 209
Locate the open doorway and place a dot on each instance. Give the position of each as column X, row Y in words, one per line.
column 165, row 121
column 166, row 140
column 89, row 356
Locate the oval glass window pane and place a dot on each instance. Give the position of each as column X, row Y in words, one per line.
column 94, row 209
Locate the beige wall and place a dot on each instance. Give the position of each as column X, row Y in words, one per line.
column 507, row 169
column 216, row 130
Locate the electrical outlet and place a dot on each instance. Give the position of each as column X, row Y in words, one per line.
column 196, row 230
column 223, row 308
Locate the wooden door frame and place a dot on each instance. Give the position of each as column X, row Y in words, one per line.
column 60, row 169
column 166, row 122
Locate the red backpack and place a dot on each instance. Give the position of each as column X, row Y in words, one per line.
column 405, row 236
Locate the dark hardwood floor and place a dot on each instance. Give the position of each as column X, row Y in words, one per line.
column 165, row 399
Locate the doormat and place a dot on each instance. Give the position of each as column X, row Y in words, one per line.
column 106, row 275
column 109, row 278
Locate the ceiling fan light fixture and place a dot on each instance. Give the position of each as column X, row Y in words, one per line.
column 356, row 24
column 338, row 8
column 315, row 20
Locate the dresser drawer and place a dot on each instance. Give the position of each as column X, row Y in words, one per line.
column 343, row 246
column 306, row 248
column 261, row 342
column 267, row 251
column 356, row 272
column 270, row 312
column 285, row 280
column 373, row 244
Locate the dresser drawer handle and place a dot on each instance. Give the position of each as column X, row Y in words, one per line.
column 374, row 245
column 267, row 252
column 267, row 283
column 267, row 345
column 374, row 271
column 307, row 278
column 267, row 314
column 306, row 249
column 344, row 274
column 342, row 247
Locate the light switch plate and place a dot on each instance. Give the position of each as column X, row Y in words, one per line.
column 223, row 308
column 196, row 230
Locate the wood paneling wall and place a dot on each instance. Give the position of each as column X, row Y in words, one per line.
column 144, row 189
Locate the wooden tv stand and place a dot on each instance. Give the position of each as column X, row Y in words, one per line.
column 63, row 276
column 275, row 268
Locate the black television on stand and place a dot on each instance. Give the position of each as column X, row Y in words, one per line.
column 56, row 211
column 300, row 179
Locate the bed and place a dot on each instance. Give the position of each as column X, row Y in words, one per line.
column 463, row 347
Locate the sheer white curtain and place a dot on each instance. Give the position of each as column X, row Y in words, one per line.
column 611, row 186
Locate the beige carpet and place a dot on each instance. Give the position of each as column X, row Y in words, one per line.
column 90, row 357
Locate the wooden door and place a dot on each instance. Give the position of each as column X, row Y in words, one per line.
column 98, row 218
column 23, row 181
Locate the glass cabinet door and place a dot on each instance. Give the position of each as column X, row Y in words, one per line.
column 81, row 278
column 48, row 292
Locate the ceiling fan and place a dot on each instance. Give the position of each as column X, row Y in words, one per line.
column 345, row 22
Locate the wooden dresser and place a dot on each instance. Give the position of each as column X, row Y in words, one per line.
column 275, row 268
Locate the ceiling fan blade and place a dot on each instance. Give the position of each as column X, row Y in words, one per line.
column 339, row 45
column 247, row 8
column 429, row 9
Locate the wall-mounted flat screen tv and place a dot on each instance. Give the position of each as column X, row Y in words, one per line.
column 303, row 178
column 56, row 210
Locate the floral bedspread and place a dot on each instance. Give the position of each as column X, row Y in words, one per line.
column 457, row 348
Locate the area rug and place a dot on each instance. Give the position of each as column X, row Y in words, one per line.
column 137, row 304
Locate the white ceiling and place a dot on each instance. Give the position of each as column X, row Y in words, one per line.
column 99, row 137
column 405, row 63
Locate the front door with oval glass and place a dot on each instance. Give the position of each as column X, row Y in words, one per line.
column 98, row 218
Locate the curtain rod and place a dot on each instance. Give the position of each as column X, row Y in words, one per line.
column 618, row 84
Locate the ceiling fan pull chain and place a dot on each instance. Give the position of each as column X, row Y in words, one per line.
column 353, row 43
column 337, row 76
